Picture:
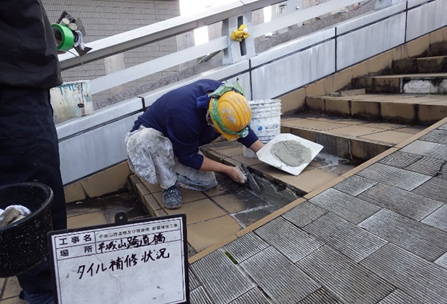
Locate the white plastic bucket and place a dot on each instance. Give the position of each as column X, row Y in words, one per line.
column 265, row 121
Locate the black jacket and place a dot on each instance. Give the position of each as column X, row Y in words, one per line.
column 28, row 55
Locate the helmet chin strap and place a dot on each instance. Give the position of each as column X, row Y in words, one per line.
column 209, row 120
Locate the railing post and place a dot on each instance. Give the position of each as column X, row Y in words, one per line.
column 238, row 51
column 386, row 3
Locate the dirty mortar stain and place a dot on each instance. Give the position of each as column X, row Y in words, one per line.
column 291, row 153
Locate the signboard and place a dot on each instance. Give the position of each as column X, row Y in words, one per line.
column 137, row 262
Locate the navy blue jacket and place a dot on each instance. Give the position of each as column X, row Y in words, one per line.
column 179, row 117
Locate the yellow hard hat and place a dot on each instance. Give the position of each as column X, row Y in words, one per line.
column 231, row 115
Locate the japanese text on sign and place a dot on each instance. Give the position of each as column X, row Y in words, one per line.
column 125, row 255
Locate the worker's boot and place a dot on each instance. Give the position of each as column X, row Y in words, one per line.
column 172, row 198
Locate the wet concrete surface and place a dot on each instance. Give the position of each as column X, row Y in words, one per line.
column 255, row 205
column 110, row 205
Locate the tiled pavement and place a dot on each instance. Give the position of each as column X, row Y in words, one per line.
column 378, row 236
column 375, row 233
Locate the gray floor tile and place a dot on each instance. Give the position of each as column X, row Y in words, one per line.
column 355, row 185
column 344, row 205
column 304, row 214
column 212, row 268
column 351, row 240
column 426, row 148
column 399, row 297
column 281, row 280
column 443, row 127
column 443, row 172
column 400, row 159
column 253, row 296
column 416, row 237
column 321, row 296
column 416, row 277
column 400, row 201
column 290, row 240
column 246, row 246
column 427, row 165
column 436, row 136
column 442, row 261
column 435, row 189
column 438, row 218
column 348, row 281
column 250, row 216
column 199, row 296
column 392, row 176
column 193, row 281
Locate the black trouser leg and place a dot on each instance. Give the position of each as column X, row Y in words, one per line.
column 29, row 153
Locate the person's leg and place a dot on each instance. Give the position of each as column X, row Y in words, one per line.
column 151, row 156
column 29, row 152
column 193, row 179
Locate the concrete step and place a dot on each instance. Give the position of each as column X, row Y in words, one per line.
column 437, row 49
column 414, row 109
column 348, row 138
column 427, row 83
column 433, row 61
column 433, row 64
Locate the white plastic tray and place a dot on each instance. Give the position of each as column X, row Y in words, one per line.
column 265, row 156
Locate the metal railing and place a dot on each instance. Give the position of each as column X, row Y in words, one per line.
column 179, row 25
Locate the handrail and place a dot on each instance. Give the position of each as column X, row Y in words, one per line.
column 300, row 16
column 161, row 30
column 151, row 33
column 112, row 80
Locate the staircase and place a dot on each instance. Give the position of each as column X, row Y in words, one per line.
column 376, row 112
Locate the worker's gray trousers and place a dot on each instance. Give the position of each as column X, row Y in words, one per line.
column 151, row 156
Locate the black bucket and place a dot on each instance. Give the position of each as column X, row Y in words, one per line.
column 24, row 243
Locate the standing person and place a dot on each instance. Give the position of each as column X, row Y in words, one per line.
column 163, row 145
column 29, row 152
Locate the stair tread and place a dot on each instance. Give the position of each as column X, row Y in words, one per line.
column 414, row 75
column 438, row 99
column 432, row 57
column 386, row 134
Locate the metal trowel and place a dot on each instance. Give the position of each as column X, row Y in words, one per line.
column 249, row 178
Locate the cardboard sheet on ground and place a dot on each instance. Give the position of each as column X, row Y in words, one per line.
column 269, row 155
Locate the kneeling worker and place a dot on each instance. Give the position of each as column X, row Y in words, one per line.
column 163, row 145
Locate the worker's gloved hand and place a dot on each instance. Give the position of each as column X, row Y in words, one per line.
column 236, row 175
column 240, row 34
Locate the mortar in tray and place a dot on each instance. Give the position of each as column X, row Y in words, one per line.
column 24, row 243
column 289, row 153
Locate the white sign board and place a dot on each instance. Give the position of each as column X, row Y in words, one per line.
column 138, row 262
